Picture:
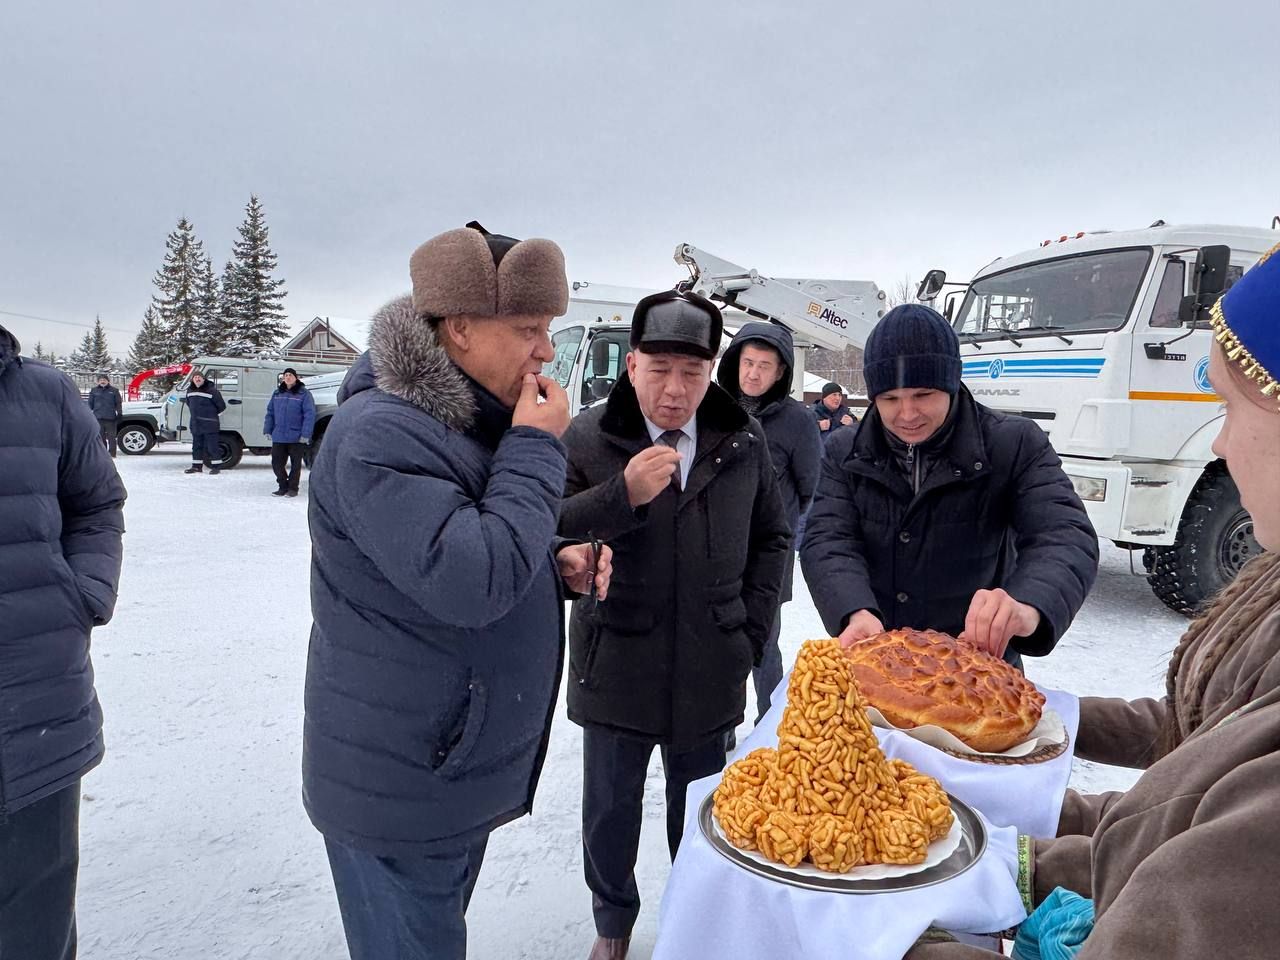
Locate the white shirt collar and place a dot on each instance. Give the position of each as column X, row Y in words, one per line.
column 690, row 429
column 686, row 446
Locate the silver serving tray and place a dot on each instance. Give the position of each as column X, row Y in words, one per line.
column 973, row 843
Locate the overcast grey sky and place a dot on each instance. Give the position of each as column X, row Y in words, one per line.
column 804, row 139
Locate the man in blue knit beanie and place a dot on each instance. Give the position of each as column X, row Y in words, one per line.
column 939, row 513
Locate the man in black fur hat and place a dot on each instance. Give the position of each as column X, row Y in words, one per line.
column 677, row 477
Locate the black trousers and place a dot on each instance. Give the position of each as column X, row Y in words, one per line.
column 768, row 675
column 614, row 769
column 204, row 449
column 107, row 430
column 406, row 908
column 39, row 860
column 292, row 453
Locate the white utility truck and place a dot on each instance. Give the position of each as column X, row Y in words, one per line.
column 1102, row 339
column 591, row 343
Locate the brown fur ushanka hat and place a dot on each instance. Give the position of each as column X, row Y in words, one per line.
column 473, row 272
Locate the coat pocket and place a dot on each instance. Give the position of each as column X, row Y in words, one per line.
column 75, row 597
column 730, row 614
column 453, row 763
column 731, row 617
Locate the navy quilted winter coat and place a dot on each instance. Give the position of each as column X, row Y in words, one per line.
column 61, row 522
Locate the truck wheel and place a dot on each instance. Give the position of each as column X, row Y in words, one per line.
column 1215, row 539
column 135, row 439
column 230, row 450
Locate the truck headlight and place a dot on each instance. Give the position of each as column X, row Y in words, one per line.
column 1090, row 488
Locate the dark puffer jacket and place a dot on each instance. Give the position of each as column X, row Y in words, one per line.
column 437, row 645
column 834, row 427
column 61, row 523
column 104, row 403
column 291, row 414
column 696, row 573
column 996, row 510
column 204, row 404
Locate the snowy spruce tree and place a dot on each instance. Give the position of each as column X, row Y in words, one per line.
column 99, row 356
column 150, row 347
column 178, row 300
column 212, row 328
column 253, row 299
column 92, row 356
column 235, row 339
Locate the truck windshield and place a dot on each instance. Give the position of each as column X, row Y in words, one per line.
column 1086, row 292
column 565, row 343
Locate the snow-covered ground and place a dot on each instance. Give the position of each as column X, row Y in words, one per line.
column 194, row 840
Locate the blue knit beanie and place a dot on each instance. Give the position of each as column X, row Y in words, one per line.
column 912, row 346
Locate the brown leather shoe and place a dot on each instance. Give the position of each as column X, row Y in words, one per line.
column 610, row 948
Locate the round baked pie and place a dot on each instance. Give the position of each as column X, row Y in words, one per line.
column 922, row 677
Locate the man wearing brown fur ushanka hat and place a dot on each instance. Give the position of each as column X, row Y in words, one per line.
column 437, row 586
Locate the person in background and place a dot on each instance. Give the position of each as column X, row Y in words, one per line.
column 204, row 405
column 677, row 477
column 437, row 590
column 756, row 370
column 831, row 413
column 61, row 532
column 290, row 419
column 104, row 401
column 1182, row 866
column 940, row 513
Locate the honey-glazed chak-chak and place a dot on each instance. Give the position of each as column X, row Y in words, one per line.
column 828, row 795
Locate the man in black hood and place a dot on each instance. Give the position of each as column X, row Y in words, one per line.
column 757, row 370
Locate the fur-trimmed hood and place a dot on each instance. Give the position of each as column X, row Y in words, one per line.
column 406, row 360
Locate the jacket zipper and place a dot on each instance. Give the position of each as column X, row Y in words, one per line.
column 913, row 468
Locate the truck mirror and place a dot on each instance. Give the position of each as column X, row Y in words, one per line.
column 599, row 356
column 931, row 285
column 1210, row 278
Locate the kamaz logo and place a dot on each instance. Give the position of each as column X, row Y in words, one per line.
column 996, row 392
column 997, row 368
column 828, row 316
column 1203, row 383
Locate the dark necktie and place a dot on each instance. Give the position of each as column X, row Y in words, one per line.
column 670, row 438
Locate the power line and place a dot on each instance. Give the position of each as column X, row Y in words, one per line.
column 68, row 323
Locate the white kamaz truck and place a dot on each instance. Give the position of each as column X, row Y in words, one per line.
column 1102, row 339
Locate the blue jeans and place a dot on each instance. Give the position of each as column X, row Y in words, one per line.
column 406, row 908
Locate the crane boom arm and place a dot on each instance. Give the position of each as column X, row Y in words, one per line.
column 824, row 313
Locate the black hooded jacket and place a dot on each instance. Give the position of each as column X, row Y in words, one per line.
column 795, row 445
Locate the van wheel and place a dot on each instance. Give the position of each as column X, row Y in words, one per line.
column 1215, row 540
column 230, row 450
column 135, row 439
